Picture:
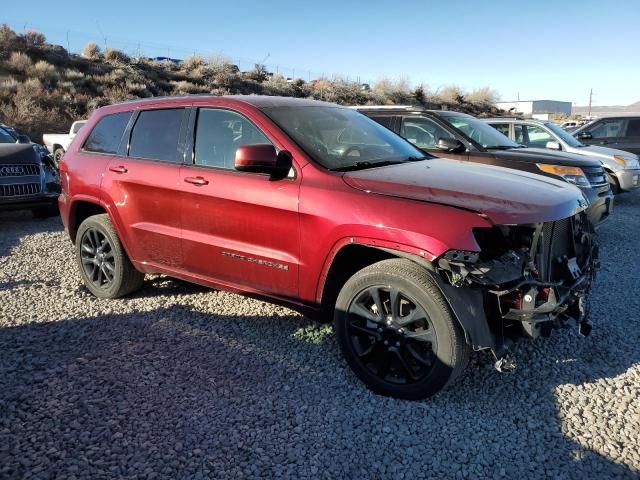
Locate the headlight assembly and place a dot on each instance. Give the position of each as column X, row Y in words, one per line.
column 572, row 175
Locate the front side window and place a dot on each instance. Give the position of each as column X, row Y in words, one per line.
column 155, row 135
column 633, row 128
column 537, row 137
column 481, row 132
column 107, row 134
column 423, row 132
column 219, row 133
column 338, row 138
column 565, row 136
column 607, row 128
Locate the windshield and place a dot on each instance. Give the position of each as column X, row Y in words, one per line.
column 563, row 135
column 6, row 137
column 341, row 139
column 481, row 132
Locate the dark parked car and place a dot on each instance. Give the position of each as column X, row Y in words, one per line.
column 28, row 179
column 417, row 260
column 622, row 133
column 459, row 136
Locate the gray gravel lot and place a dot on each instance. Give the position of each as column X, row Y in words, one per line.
column 179, row 381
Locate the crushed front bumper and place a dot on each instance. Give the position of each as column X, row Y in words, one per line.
column 525, row 291
column 628, row 179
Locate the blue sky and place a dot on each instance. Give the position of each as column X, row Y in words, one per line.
column 537, row 50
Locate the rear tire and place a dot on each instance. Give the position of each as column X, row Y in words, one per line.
column 397, row 331
column 104, row 266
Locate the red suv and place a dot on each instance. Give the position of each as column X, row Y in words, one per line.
column 314, row 206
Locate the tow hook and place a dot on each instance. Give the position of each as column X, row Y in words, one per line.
column 505, row 364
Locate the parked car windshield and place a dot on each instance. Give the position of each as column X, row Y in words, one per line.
column 481, row 132
column 6, row 137
column 563, row 135
column 342, row 139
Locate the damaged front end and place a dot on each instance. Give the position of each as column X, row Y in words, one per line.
column 525, row 280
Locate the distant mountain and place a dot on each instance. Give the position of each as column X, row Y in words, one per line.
column 634, row 108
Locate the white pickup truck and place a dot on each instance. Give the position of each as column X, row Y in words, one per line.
column 57, row 143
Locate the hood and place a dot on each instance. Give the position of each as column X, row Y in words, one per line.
column 18, row 154
column 504, row 195
column 543, row 155
column 602, row 153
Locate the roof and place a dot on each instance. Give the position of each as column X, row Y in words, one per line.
column 511, row 119
column 258, row 101
column 407, row 108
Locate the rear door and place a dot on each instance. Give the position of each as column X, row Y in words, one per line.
column 238, row 228
column 631, row 139
column 143, row 187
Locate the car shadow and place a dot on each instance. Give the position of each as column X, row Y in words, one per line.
column 15, row 225
column 125, row 394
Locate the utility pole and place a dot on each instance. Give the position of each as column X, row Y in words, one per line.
column 590, row 97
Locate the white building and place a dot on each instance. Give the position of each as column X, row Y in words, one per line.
column 536, row 108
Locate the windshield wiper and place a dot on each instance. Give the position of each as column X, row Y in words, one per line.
column 366, row 164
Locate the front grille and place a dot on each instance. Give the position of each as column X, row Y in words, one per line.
column 19, row 189
column 596, row 176
column 19, row 170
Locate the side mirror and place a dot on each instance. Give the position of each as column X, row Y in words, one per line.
column 585, row 136
column 263, row 159
column 23, row 139
column 553, row 146
column 452, row 145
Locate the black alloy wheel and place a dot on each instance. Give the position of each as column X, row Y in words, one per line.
column 98, row 260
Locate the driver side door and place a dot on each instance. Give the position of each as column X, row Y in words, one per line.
column 239, row 228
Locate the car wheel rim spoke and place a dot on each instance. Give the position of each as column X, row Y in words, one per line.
column 391, row 335
column 97, row 258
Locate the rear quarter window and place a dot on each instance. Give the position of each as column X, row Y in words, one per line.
column 107, row 133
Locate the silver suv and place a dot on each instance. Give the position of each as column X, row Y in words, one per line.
column 623, row 170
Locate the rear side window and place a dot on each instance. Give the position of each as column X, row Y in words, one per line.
column 106, row 135
column 155, row 135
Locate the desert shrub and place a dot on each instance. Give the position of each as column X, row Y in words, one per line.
column 74, row 75
column 19, row 62
column 44, row 70
column 483, row 97
column 92, row 51
column 184, row 87
column 259, row 73
column 9, row 41
column 340, row 91
column 116, row 56
column 191, row 63
column 117, row 93
column 9, row 86
column 277, row 85
column 34, row 38
column 451, row 94
column 392, row 91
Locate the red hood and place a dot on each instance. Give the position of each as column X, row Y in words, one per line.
column 506, row 196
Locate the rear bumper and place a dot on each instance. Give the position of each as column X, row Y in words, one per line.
column 628, row 179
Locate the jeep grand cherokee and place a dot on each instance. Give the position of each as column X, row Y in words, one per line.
column 417, row 260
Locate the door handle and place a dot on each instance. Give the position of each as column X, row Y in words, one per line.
column 198, row 181
column 118, row 169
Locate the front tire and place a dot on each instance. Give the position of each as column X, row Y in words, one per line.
column 397, row 332
column 57, row 156
column 613, row 182
column 104, row 266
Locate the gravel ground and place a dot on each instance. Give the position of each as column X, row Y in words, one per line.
column 179, row 381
